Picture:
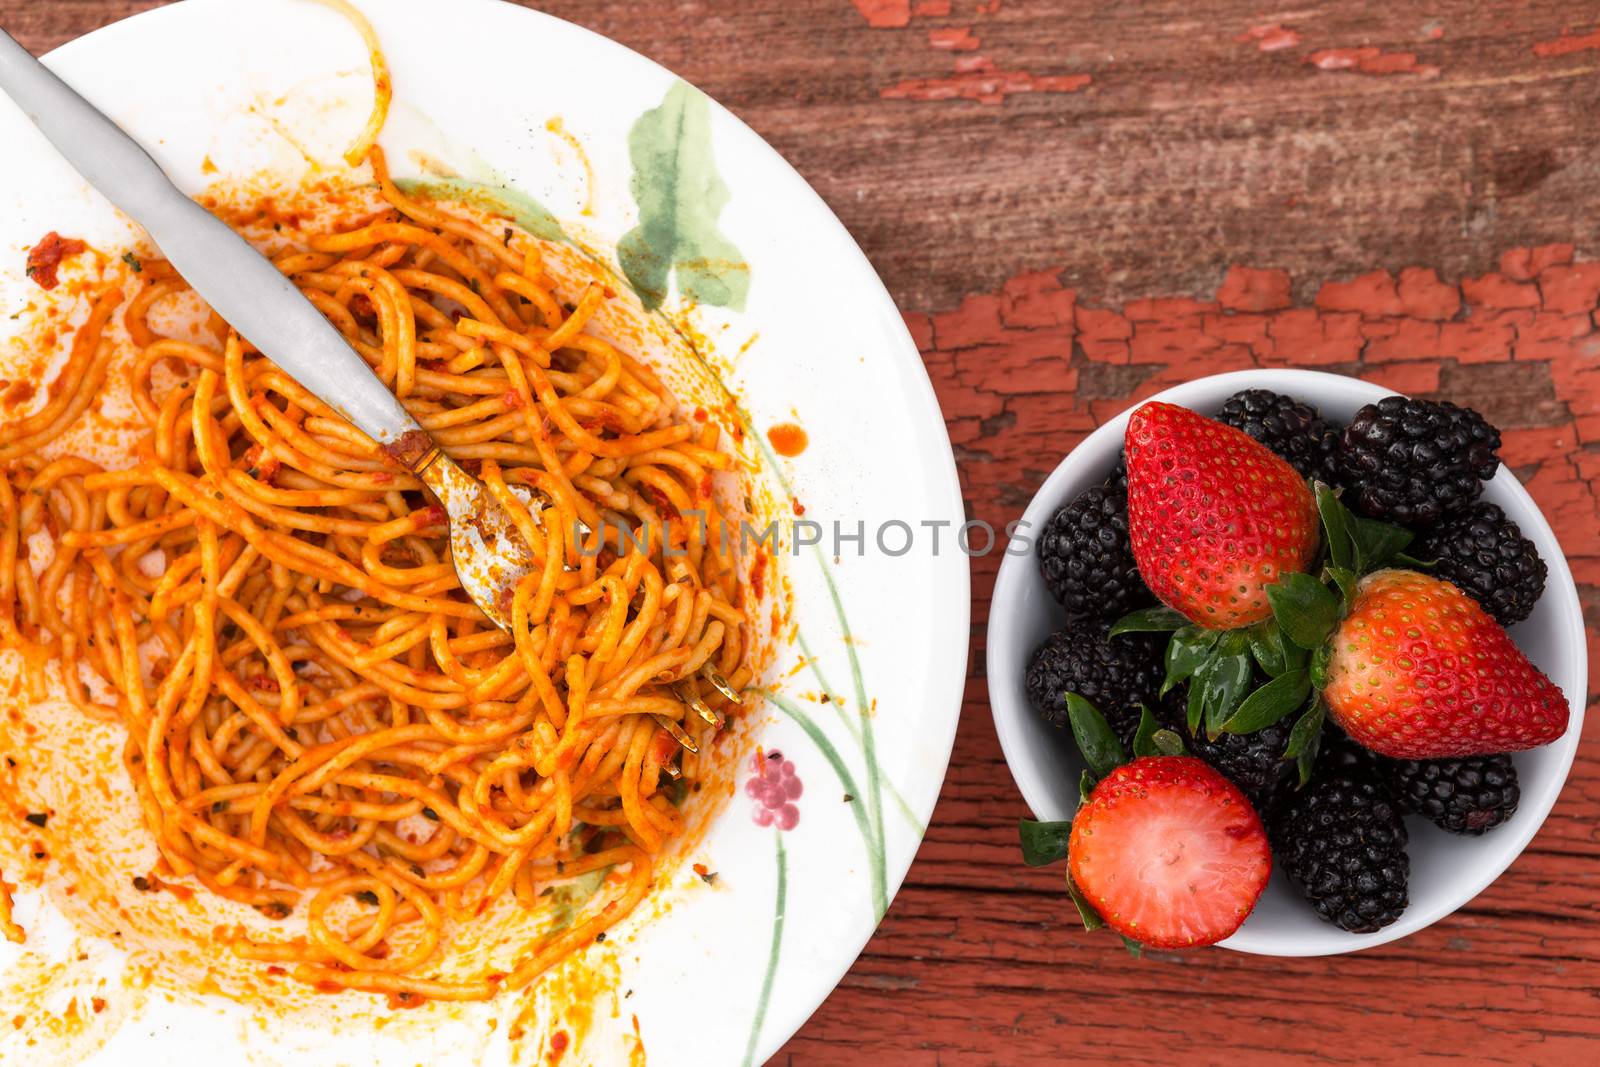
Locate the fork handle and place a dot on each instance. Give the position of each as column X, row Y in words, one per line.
column 238, row 282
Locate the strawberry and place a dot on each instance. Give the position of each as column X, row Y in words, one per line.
column 1214, row 517
column 1417, row 670
column 1169, row 852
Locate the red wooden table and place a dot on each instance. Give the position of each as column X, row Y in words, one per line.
column 1062, row 197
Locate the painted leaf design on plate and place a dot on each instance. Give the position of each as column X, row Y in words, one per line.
column 494, row 197
column 568, row 899
column 680, row 195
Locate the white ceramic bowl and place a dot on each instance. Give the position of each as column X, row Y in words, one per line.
column 1446, row 871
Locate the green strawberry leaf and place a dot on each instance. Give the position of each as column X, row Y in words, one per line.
column 680, row 196
column 1234, row 643
column 1143, row 738
column 1307, row 762
column 1405, row 559
column 1336, row 521
column 1168, row 743
column 1345, row 579
column 1158, row 619
column 1086, row 783
column 1270, row 703
column 1376, row 543
column 1266, row 645
column 1189, row 648
column 1305, row 728
column 1091, row 918
column 1195, row 710
column 1100, row 747
column 1306, row 609
column 1225, row 687
column 1319, row 666
column 1355, row 542
column 1305, row 738
column 1043, row 843
column 1135, row 949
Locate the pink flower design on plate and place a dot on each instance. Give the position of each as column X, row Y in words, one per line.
column 773, row 787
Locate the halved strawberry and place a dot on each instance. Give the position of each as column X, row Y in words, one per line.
column 1214, row 517
column 1169, row 852
column 1417, row 670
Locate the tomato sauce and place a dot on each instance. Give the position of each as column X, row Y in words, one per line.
column 788, row 439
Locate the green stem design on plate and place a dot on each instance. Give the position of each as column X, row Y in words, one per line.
column 772, row 954
column 874, row 844
column 869, row 747
column 814, row 665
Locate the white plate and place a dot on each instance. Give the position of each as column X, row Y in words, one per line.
column 1447, row 870
column 220, row 90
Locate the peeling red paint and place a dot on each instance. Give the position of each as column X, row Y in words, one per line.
column 953, row 39
column 1271, row 37
column 1374, row 293
column 1397, row 331
column 1103, row 334
column 1568, row 43
column 1037, row 300
column 884, row 14
column 1525, row 264
column 1167, row 309
column 977, row 78
column 1498, row 291
column 1424, row 296
column 1370, row 60
column 1572, row 288
column 1247, row 289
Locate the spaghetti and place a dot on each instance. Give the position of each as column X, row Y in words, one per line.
column 317, row 715
column 8, row 925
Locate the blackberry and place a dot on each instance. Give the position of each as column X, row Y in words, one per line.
column 1117, row 480
column 1253, row 762
column 1414, row 461
column 1342, row 840
column 1484, row 554
column 1086, row 560
column 1115, row 674
column 1291, row 428
column 1338, row 753
column 1464, row 796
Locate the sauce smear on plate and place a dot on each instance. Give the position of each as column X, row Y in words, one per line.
column 788, row 439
